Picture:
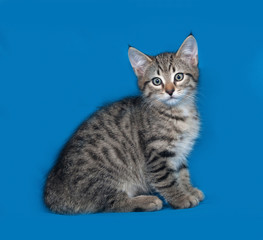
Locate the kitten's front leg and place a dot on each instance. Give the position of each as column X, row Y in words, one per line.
column 167, row 180
column 184, row 178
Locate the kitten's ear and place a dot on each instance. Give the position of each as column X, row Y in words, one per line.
column 189, row 51
column 139, row 61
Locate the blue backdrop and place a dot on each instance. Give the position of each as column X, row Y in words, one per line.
column 60, row 60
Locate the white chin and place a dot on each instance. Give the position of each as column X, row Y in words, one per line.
column 172, row 101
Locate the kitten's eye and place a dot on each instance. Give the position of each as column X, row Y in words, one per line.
column 156, row 81
column 179, row 77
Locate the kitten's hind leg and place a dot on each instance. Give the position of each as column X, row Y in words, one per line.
column 142, row 203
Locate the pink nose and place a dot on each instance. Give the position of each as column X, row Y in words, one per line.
column 170, row 91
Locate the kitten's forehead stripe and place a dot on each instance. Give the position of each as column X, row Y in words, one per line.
column 171, row 62
column 166, row 61
column 159, row 65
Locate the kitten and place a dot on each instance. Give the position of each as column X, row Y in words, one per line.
column 130, row 149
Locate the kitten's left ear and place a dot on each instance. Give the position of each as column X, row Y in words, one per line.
column 189, row 51
column 139, row 61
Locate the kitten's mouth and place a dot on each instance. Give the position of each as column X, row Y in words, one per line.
column 173, row 98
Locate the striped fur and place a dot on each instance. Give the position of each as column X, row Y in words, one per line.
column 127, row 150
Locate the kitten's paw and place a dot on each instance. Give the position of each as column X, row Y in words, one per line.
column 147, row 203
column 187, row 201
column 155, row 205
column 198, row 193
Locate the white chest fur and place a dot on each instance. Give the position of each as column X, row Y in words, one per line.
column 185, row 137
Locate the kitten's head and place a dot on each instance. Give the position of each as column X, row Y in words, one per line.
column 170, row 78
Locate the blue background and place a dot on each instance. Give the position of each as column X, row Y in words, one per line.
column 60, row 60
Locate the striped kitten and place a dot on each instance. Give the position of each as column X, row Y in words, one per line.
column 138, row 146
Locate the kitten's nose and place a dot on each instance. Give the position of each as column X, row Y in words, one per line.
column 170, row 91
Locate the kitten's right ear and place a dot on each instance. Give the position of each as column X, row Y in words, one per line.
column 139, row 61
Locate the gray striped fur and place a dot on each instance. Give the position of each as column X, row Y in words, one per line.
column 130, row 149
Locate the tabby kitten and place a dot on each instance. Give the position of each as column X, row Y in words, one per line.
column 138, row 146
